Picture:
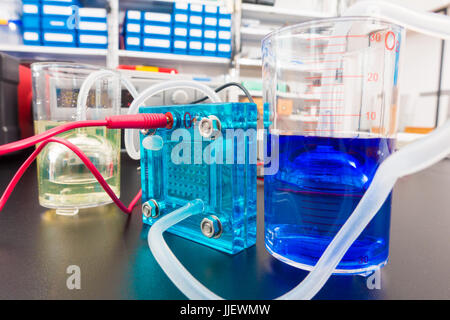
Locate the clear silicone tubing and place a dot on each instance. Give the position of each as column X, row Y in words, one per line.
column 131, row 145
column 89, row 82
column 410, row 159
column 436, row 25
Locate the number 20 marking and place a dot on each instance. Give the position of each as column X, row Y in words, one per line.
column 372, row 76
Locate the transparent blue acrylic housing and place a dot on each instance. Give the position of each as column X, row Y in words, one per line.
column 179, row 165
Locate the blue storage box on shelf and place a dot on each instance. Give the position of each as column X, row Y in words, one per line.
column 211, row 10
column 93, row 14
column 157, row 18
column 31, row 22
column 133, row 23
column 180, row 7
column 31, row 8
column 133, row 30
column 180, row 19
column 210, row 22
column 224, row 36
column 180, row 39
column 58, row 10
column 180, row 32
column 157, row 32
column 133, row 16
column 156, row 44
column 133, row 42
column 59, row 38
column 92, row 40
column 196, row 33
column 210, row 34
column 224, row 22
column 209, row 48
column 180, row 14
column 31, row 17
column 195, row 42
column 180, row 45
column 93, row 28
column 195, row 15
column 224, row 49
column 195, row 21
column 32, row 37
column 164, row 32
column 195, row 47
column 196, row 9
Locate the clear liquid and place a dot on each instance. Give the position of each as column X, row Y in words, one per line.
column 319, row 183
column 65, row 183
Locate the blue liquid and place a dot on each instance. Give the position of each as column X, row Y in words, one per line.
column 319, row 183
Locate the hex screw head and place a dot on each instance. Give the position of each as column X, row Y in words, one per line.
column 150, row 209
column 211, row 227
column 205, row 127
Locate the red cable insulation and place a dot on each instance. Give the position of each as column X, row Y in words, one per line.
column 28, row 142
column 86, row 161
column 137, row 121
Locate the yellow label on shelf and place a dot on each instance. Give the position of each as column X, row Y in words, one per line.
column 147, row 68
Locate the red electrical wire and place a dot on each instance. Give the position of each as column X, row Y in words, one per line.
column 137, row 121
column 83, row 158
column 31, row 141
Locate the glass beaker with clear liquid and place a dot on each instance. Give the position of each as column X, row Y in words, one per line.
column 330, row 131
column 64, row 182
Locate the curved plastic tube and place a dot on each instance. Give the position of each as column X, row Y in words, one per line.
column 89, row 82
column 432, row 24
column 131, row 146
column 412, row 158
column 176, row 272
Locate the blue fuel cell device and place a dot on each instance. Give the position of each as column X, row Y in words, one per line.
column 208, row 154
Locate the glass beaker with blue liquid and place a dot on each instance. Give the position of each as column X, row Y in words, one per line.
column 329, row 132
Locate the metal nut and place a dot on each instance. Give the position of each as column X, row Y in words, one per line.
column 150, row 209
column 210, row 127
column 211, row 227
column 205, row 127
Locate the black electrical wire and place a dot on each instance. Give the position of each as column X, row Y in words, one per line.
column 226, row 85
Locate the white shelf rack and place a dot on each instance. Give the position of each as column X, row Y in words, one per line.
column 76, row 54
column 57, row 53
column 274, row 13
column 254, row 33
column 171, row 57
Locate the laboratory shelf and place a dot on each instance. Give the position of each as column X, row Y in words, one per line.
column 248, row 62
column 273, row 13
column 254, row 33
column 57, row 53
column 171, row 57
column 75, row 54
